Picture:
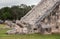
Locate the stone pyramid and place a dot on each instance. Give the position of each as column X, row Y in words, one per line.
column 33, row 21
column 40, row 11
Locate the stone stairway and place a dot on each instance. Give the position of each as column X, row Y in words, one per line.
column 43, row 9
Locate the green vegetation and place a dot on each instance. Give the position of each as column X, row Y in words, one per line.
column 2, row 25
column 3, row 35
column 14, row 12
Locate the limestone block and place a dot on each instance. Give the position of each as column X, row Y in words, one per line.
column 25, row 30
column 11, row 31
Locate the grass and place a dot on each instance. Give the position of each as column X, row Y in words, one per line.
column 2, row 26
column 28, row 36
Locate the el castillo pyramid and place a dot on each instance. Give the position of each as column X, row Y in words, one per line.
column 43, row 18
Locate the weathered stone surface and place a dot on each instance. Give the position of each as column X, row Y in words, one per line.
column 9, row 23
column 38, row 13
column 41, row 9
column 41, row 19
